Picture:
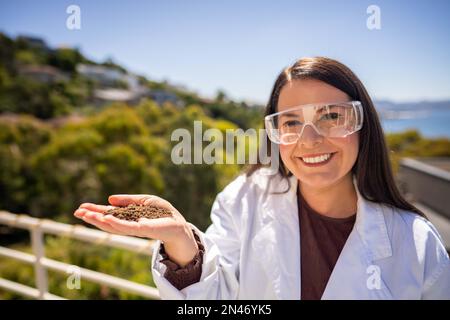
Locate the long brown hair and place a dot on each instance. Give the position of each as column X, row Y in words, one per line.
column 372, row 168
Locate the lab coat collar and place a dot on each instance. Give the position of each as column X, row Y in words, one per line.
column 371, row 226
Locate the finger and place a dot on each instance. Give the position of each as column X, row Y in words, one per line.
column 128, row 227
column 155, row 225
column 92, row 218
column 121, row 200
column 79, row 213
column 96, row 207
column 103, row 226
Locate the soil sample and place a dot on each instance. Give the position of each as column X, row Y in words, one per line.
column 133, row 212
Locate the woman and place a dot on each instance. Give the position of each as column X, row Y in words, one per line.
column 330, row 224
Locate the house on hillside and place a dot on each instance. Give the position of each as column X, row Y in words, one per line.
column 103, row 76
column 42, row 73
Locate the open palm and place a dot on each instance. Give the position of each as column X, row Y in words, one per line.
column 165, row 229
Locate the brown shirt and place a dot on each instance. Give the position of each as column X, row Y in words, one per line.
column 322, row 240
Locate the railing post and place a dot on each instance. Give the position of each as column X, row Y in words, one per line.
column 37, row 242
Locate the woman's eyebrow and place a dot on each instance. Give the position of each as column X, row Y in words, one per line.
column 321, row 109
column 329, row 106
column 289, row 115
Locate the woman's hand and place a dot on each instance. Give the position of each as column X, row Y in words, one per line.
column 179, row 241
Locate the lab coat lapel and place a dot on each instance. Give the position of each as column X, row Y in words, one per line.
column 356, row 274
column 278, row 241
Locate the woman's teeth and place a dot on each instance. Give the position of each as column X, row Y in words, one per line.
column 318, row 159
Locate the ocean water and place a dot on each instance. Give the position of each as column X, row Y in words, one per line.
column 435, row 123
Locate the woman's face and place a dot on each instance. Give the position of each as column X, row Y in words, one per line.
column 344, row 150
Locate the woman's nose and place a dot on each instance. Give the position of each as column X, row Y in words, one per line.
column 309, row 137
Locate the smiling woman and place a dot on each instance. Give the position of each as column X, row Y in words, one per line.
column 360, row 152
column 340, row 152
column 330, row 224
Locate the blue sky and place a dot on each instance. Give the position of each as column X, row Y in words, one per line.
column 241, row 46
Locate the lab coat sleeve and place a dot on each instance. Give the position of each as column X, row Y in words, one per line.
column 439, row 285
column 219, row 279
column 436, row 268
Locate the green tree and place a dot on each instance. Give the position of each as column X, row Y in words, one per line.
column 66, row 59
column 20, row 138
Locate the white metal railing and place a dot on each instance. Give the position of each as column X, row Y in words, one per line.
column 39, row 227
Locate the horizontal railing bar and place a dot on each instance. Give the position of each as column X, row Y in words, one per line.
column 426, row 168
column 18, row 255
column 78, row 232
column 26, row 290
column 93, row 276
column 105, row 279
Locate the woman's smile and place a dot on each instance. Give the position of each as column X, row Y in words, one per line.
column 316, row 160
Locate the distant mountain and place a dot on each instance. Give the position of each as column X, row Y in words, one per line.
column 383, row 105
column 409, row 110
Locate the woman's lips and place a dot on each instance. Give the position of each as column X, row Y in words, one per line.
column 317, row 160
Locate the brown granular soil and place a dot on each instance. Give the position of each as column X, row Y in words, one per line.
column 133, row 212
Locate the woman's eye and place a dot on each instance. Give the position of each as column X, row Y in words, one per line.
column 292, row 123
column 330, row 116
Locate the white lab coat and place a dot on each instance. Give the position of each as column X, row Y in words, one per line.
column 252, row 250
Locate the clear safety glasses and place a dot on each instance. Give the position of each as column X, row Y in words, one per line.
column 328, row 119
